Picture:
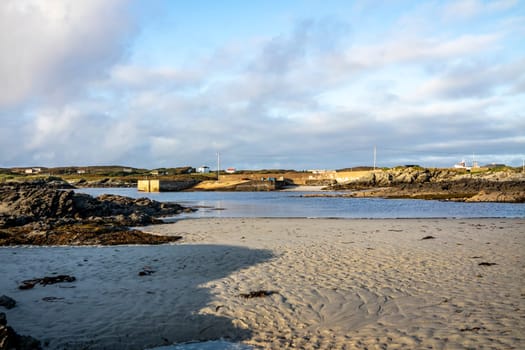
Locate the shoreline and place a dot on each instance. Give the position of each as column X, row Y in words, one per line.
column 352, row 283
column 173, row 220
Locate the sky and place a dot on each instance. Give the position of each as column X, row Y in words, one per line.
column 311, row 84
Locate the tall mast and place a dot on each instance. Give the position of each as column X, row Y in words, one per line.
column 375, row 151
column 218, row 164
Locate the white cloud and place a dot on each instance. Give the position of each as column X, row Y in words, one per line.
column 459, row 9
column 51, row 48
column 133, row 76
column 307, row 98
column 68, row 134
column 475, row 80
column 418, row 50
column 165, row 147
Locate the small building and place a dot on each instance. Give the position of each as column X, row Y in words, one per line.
column 81, row 171
column 461, row 165
column 203, row 169
column 32, row 171
column 231, row 170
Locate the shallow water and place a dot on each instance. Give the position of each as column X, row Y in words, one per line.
column 292, row 204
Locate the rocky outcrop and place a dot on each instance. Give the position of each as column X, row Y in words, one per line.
column 498, row 196
column 48, row 182
column 403, row 176
column 35, row 214
column 445, row 184
column 104, row 183
column 513, row 196
column 10, row 340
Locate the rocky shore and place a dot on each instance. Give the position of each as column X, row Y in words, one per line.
column 106, row 182
column 9, row 339
column 50, row 213
column 440, row 184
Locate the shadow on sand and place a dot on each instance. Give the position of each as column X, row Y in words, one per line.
column 110, row 306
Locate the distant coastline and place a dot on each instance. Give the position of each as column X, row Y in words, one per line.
column 483, row 184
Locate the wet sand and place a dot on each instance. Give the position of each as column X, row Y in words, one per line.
column 338, row 284
column 373, row 283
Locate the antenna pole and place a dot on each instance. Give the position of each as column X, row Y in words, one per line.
column 375, row 151
column 218, row 164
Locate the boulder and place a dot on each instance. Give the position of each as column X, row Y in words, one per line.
column 7, row 302
column 10, row 340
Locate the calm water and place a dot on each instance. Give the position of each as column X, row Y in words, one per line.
column 291, row 204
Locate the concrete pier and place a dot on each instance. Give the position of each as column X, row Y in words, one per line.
column 156, row 185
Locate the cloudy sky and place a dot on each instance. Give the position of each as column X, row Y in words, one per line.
column 269, row 84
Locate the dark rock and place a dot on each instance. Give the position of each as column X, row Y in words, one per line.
column 10, row 340
column 428, row 237
column 52, row 299
column 146, row 271
column 29, row 284
column 7, row 302
column 37, row 215
column 106, row 182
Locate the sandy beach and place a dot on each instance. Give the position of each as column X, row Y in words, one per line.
column 337, row 284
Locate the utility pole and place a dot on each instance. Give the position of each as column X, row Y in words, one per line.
column 218, row 164
column 375, row 151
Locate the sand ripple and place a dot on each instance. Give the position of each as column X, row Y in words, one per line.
column 374, row 283
column 340, row 284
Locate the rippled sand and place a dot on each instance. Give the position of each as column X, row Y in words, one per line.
column 339, row 284
column 373, row 283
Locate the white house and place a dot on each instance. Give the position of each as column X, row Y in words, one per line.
column 33, row 170
column 461, row 165
column 203, row 169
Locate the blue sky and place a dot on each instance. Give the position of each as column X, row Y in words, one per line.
column 269, row 84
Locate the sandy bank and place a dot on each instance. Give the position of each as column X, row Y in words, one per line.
column 340, row 284
column 373, row 283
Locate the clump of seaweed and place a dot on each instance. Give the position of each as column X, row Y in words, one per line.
column 258, row 294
